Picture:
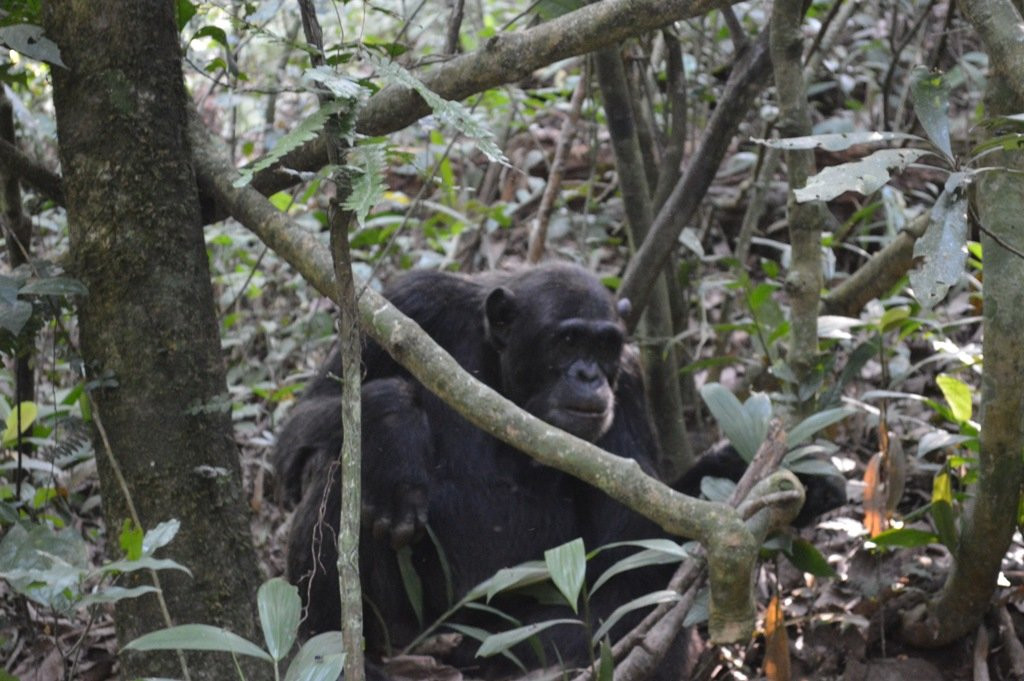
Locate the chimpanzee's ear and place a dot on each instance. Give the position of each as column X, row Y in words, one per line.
column 499, row 312
column 624, row 307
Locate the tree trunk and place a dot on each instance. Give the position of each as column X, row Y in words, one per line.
column 149, row 331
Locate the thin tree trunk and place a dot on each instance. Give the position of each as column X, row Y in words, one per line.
column 149, row 334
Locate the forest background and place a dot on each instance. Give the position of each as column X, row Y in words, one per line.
column 162, row 309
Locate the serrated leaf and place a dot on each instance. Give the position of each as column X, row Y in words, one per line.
column 864, row 176
column 499, row 643
column 198, row 637
column 930, row 95
column 958, row 396
column 307, row 130
column 319, row 659
column 448, row 112
column 644, row 601
column 337, row 83
column 942, row 251
column 29, row 40
column 568, row 567
column 280, row 609
column 835, row 141
column 369, row 163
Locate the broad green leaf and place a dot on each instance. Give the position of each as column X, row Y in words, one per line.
column 411, row 582
column 864, row 176
column 480, row 635
column 942, row 509
column 142, row 563
column 803, row 431
column 159, row 536
column 836, row 141
column 24, row 415
column 939, row 439
column 280, row 608
column 930, row 95
column 131, row 539
column 510, row 578
column 904, row 537
column 319, row 659
column 55, row 286
column 30, row 41
column 958, row 396
column 499, row 643
column 717, row 489
column 113, row 594
column 643, row 602
column 807, row 558
column 942, row 249
column 637, row 560
column 14, row 316
column 744, row 426
column 197, row 637
column 568, row 567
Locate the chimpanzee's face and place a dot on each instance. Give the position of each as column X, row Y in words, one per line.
column 560, row 349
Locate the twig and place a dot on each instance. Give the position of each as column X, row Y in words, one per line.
column 539, row 232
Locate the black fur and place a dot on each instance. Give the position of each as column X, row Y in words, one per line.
column 551, row 340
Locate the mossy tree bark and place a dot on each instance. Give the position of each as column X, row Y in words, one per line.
column 148, row 325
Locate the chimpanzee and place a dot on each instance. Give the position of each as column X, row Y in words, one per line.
column 550, row 339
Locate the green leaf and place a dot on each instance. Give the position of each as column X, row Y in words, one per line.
column 160, row 536
column 24, row 415
column 215, row 33
column 746, row 425
column 54, row 286
column 499, row 643
column 637, row 560
column 30, row 41
column 198, row 637
column 807, row 558
column 304, row 132
column 568, row 567
column 319, row 659
column 280, row 609
column 864, row 176
column 958, row 396
column 717, row 489
column 448, row 112
column 930, row 95
column 370, row 164
column 130, row 540
column 839, row 141
column 803, row 431
column 14, row 316
column 905, row 537
column 645, row 601
column 942, row 249
column 411, row 581
column 113, row 594
column 184, row 11
column 510, row 578
column 606, row 672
